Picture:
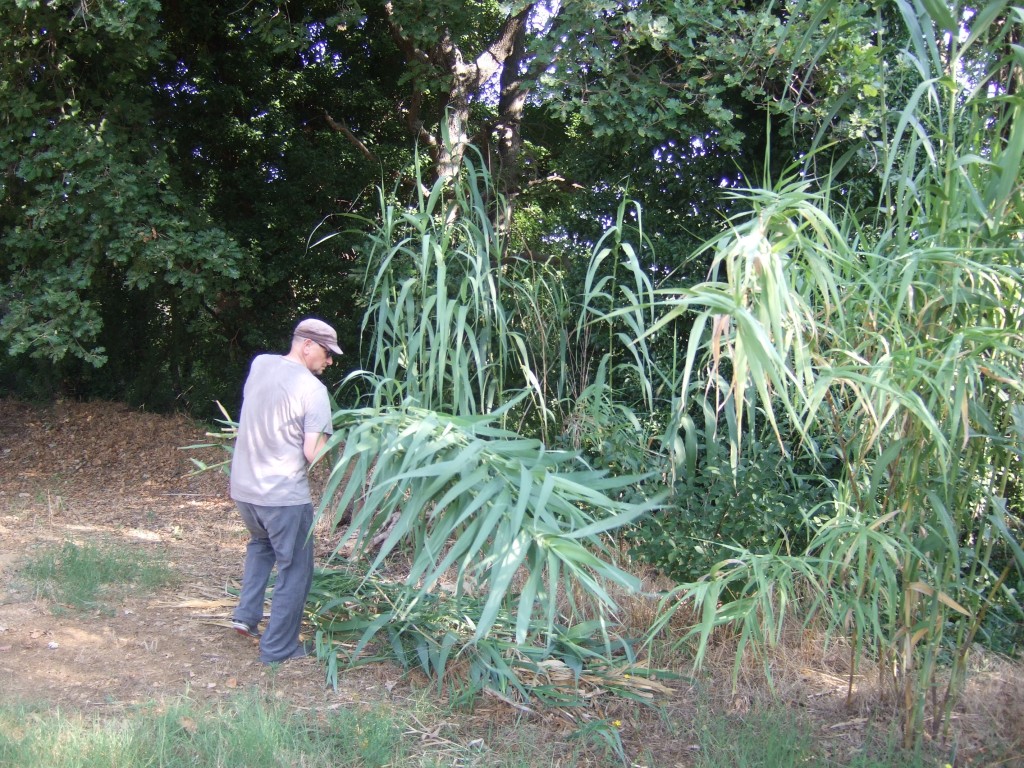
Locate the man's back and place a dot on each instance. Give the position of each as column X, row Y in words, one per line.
column 282, row 401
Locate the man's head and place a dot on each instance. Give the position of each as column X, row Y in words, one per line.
column 314, row 342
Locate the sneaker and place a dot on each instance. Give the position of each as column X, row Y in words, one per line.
column 244, row 629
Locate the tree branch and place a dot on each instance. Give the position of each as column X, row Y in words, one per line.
column 340, row 126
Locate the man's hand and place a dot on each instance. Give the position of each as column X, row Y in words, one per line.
column 312, row 444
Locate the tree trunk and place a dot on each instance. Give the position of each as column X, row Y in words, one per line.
column 467, row 80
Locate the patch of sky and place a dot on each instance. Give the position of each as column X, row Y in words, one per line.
column 319, row 51
column 675, row 154
column 179, row 84
column 271, row 173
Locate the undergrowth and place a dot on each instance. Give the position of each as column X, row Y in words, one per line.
column 258, row 731
column 83, row 576
column 361, row 618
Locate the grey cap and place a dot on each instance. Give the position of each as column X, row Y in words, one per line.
column 320, row 332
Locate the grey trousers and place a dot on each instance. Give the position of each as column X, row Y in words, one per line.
column 281, row 536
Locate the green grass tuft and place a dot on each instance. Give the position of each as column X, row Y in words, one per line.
column 256, row 731
column 81, row 576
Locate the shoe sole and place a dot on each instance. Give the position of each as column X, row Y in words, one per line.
column 246, row 632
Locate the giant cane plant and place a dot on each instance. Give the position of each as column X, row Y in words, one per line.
column 433, row 468
column 890, row 342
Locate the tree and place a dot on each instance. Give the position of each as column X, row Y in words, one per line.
column 90, row 219
column 185, row 157
column 104, row 259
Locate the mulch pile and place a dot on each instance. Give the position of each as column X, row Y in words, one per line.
column 97, row 449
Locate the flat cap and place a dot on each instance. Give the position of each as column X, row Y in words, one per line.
column 318, row 331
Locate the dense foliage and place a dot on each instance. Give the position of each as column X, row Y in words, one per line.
column 740, row 281
column 104, row 260
column 886, row 341
column 836, row 406
column 166, row 165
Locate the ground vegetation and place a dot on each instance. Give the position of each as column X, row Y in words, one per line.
column 616, row 285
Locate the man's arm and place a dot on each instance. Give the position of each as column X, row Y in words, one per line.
column 312, row 444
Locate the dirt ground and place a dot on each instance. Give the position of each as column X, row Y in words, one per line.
column 102, row 472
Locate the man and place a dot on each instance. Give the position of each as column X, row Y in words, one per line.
column 284, row 424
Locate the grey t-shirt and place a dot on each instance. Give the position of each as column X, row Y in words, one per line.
column 282, row 401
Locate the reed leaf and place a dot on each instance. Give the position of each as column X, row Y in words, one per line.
column 471, row 497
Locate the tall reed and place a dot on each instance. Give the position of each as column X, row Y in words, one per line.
column 892, row 343
column 434, row 465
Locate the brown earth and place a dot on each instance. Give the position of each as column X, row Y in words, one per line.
column 101, row 473
column 104, row 473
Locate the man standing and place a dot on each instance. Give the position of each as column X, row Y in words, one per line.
column 284, row 424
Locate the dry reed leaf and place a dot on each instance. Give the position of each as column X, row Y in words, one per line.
column 848, row 723
column 506, row 700
column 554, row 672
column 227, row 602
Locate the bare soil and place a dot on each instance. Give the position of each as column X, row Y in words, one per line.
column 102, row 473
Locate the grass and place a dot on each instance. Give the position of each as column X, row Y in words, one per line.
column 245, row 731
column 82, row 576
column 249, row 730
column 258, row 729
column 776, row 737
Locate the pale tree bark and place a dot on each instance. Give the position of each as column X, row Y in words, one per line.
column 466, row 77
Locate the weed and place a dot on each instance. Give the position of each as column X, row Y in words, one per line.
column 78, row 575
column 251, row 730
